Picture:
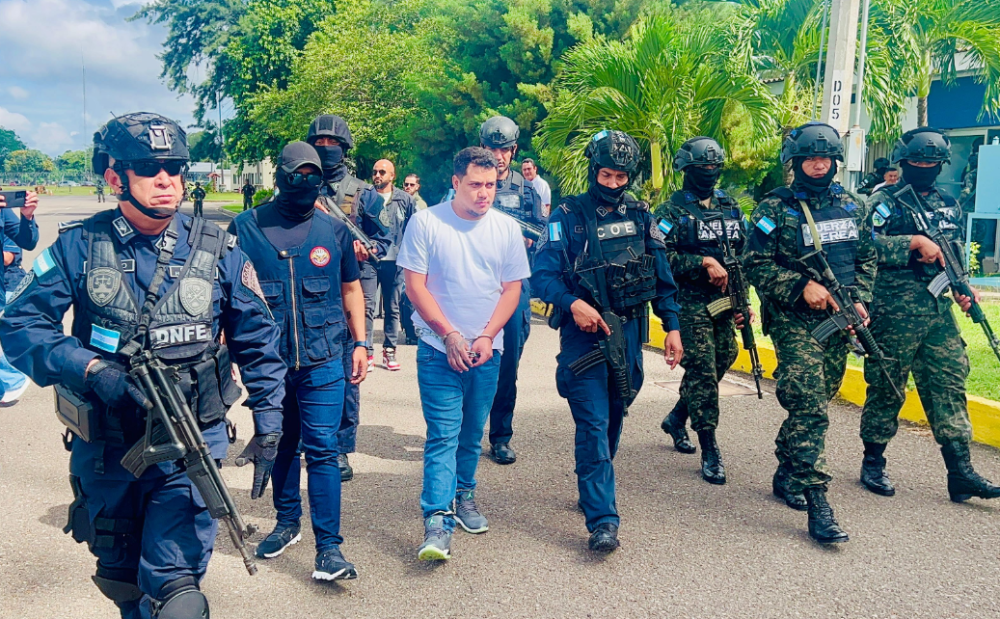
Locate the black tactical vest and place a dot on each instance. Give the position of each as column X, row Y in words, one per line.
column 892, row 218
column 181, row 321
column 703, row 238
column 346, row 193
column 837, row 227
column 514, row 199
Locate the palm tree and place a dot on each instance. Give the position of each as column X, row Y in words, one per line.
column 673, row 77
column 928, row 38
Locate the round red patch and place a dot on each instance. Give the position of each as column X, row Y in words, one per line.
column 319, row 256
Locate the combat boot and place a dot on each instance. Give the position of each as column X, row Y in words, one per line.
column 673, row 424
column 963, row 482
column 823, row 526
column 604, row 538
column 712, row 469
column 873, row 474
column 779, row 486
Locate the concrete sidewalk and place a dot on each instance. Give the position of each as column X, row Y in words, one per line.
column 688, row 549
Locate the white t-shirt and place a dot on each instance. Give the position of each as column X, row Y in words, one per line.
column 466, row 263
column 542, row 187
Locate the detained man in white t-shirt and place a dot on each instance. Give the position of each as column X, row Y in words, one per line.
column 530, row 172
column 463, row 265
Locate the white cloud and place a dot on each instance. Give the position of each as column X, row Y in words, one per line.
column 51, row 138
column 17, row 92
column 17, row 123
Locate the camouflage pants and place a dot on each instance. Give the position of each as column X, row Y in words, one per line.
column 932, row 348
column 808, row 376
column 709, row 351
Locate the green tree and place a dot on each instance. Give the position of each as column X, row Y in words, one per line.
column 206, row 145
column 74, row 161
column 673, row 77
column 929, row 38
column 29, row 163
column 9, row 142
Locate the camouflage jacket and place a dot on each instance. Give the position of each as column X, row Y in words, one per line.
column 901, row 285
column 777, row 242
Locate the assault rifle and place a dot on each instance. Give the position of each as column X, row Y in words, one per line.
column 172, row 434
column 611, row 348
column 529, row 231
column 954, row 274
column 738, row 300
column 353, row 228
column 847, row 317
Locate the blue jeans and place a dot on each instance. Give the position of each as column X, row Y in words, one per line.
column 455, row 408
column 313, row 406
column 10, row 378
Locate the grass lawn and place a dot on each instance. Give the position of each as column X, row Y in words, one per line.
column 236, row 207
column 62, row 191
column 984, row 377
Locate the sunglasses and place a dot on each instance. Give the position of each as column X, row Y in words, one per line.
column 379, row 172
column 298, row 179
column 409, row 184
column 151, row 167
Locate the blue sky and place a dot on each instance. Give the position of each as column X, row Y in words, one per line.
column 42, row 46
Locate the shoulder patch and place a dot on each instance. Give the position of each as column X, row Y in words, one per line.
column 43, row 263
column 69, row 225
column 555, row 231
column 766, row 225
column 249, row 279
column 664, row 227
column 720, row 194
column 660, row 230
column 231, row 241
column 21, row 287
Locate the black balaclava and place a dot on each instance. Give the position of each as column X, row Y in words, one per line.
column 922, row 179
column 604, row 196
column 814, row 186
column 333, row 162
column 295, row 203
column 700, row 180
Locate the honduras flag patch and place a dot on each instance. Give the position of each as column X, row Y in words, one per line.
column 880, row 215
column 555, row 231
column 665, row 226
column 766, row 225
column 43, row 263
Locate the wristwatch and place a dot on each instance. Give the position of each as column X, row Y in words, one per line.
column 361, row 344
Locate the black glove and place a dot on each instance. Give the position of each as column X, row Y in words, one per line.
column 115, row 387
column 262, row 451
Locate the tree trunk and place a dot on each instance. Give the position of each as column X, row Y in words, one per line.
column 656, row 160
column 921, row 111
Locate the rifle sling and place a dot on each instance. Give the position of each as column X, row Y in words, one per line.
column 812, row 225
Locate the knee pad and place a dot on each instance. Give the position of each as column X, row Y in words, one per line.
column 182, row 599
column 118, row 591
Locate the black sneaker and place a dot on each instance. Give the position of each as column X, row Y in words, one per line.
column 331, row 565
column 280, row 538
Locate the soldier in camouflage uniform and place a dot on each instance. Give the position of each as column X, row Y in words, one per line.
column 915, row 328
column 696, row 217
column 793, row 304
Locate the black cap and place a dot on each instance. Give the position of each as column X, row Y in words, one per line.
column 297, row 154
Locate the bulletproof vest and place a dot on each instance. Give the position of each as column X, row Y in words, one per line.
column 703, row 238
column 181, row 321
column 302, row 289
column 892, row 218
column 514, row 197
column 836, row 225
column 630, row 273
column 344, row 193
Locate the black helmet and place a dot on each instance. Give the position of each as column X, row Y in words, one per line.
column 882, row 163
column 612, row 149
column 699, row 151
column 136, row 137
column 923, row 144
column 499, row 132
column 813, row 139
column 331, row 126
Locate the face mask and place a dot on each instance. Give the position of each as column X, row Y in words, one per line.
column 700, row 180
column 605, row 196
column 922, row 179
column 810, row 184
column 330, row 156
column 295, row 202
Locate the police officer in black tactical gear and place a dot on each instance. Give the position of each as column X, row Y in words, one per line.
column 601, row 263
column 872, row 179
column 144, row 277
column 331, row 137
column 516, row 197
column 697, row 217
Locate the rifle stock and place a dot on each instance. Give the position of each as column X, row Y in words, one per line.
column 184, row 441
column 353, row 228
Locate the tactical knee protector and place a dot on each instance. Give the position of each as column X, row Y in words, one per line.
column 182, row 599
column 118, row 586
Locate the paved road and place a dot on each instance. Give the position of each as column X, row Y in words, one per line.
column 688, row 549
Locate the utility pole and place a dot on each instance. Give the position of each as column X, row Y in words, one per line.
column 838, row 83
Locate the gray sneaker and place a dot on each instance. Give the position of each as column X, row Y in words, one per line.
column 467, row 514
column 437, row 537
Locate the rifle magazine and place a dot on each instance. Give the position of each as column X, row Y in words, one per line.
column 939, row 284
column 719, row 305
